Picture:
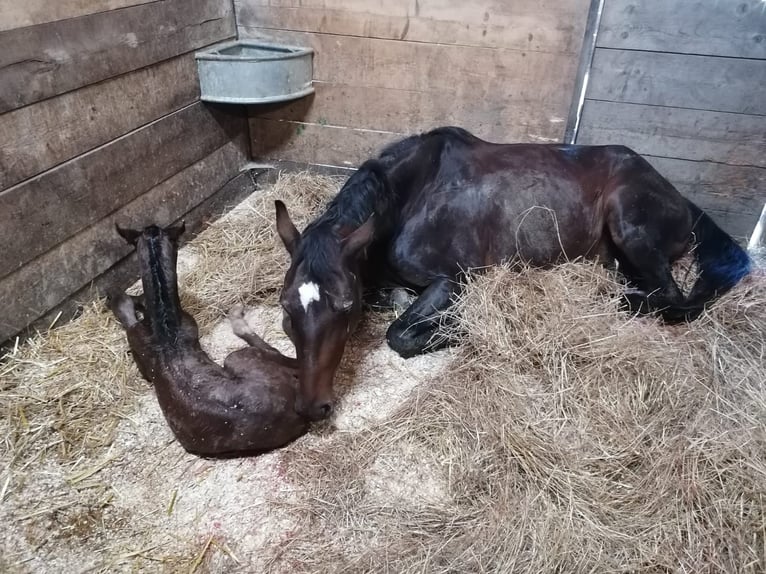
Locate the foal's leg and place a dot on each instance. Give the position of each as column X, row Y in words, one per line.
column 242, row 330
column 415, row 331
column 124, row 308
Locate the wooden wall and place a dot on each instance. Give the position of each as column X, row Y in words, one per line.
column 502, row 69
column 683, row 83
column 100, row 121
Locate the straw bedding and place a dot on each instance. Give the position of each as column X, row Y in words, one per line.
column 560, row 436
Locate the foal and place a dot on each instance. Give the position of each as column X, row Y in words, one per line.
column 244, row 407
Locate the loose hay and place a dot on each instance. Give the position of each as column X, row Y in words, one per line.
column 240, row 260
column 561, row 436
column 568, row 438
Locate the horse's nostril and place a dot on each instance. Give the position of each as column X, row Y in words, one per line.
column 325, row 409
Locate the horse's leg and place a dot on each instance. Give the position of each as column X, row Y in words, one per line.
column 242, row 330
column 415, row 331
column 646, row 247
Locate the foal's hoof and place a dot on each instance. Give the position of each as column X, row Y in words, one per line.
column 238, row 323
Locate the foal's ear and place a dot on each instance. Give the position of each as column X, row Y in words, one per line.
column 285, row 228
column 129, row 235
column 176, row 231
column 358, row 239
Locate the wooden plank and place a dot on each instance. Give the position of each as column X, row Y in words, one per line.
column 735, row 29
column 733, row 195
column 98, row 246
column 312, row 143
column 678, row 80
column 40, row 136
column 409, row 111
column 734, row 139
column 527, row 25
column 15, row 14
column 41, row 61
column 39, row 213
column 530, row 84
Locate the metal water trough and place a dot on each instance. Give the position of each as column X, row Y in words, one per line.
column 249, row 72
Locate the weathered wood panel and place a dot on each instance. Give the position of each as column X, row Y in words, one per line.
column 441, row 70
column 41, row 212
column 734, row 139
column 374, row 85
column 98, row 260
column 732, row 195
column 40, row 136
column 678, row 80
column 411, row 111
column 736, row 29
column 16, row 14
column 286, row 140
column 527, row 25
column 41, row 61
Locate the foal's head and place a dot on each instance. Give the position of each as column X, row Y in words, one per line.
column 153, row 243
column 322, row 303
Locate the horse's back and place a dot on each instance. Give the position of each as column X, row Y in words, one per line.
column 488, row 203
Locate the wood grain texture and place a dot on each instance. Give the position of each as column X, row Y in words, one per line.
column 41, row 61
column 286, row 140
column 527, row 25
column 41, row 212
column 734, row 139
column 733, row 195
column 410, row 111
column 16, row 14
column 735, row 29
column 40, row 136
column 97, row 261
column 401, row 87
column 678, row 80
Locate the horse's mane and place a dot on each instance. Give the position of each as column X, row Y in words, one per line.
column 367, row 192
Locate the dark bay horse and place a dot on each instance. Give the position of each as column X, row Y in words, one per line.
column 436, row 205
column 245, row 407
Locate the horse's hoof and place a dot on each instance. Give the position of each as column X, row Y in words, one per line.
column 401, row 299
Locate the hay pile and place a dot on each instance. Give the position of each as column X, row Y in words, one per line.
column 561, row 436
column 567, row 438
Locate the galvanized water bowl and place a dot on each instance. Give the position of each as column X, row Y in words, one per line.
column 251, row 72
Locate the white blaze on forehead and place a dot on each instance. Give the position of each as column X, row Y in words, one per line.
column 308, row 292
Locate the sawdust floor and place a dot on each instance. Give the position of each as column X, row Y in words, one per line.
column 161, row 509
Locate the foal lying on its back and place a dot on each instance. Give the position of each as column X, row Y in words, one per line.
column 244, row 407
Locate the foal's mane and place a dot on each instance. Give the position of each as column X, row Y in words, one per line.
column 162, row 290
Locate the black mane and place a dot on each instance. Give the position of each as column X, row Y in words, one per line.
column 367, row 192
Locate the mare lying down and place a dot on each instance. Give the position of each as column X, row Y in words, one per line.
column 246, row 406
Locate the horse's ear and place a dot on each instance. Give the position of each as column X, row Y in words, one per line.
column 129, row 235
column 176, row 231
column 285, row 228
column 358, row 239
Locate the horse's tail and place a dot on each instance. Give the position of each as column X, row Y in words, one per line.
column 721, row 261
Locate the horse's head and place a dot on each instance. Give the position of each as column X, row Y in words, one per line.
column 322, row 302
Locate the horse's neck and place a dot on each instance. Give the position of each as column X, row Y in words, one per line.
column 163, row 305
